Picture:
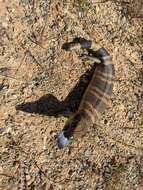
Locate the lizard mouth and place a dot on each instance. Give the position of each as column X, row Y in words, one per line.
column 62, row 140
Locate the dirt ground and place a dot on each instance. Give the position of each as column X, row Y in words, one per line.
column 40, row 83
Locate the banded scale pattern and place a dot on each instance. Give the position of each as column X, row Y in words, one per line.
column 95, row 98
column 97, row 95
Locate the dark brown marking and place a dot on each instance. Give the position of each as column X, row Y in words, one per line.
column 101, row 93
column 98, row 77
column 99, row 96
column 104, row 74
column 93, row 112
column 96, row 102
column 103, row 86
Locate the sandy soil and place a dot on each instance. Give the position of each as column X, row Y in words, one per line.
column 44, row 82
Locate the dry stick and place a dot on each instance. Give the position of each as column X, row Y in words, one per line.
column 35, row 162
column 118, row 141
column 28, row 52
column 41, row 170
column 33, row 5
column 46, row 174
column 38, row 42
column 42, row 32
column 3, row 73
column 97, row 2
column 132, row 128
column 7, row 76
column 23, row 59
column 31, row 55
column 15, row 143
column 23, row 181
column 7, row 175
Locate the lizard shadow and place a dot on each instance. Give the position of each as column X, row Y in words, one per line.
column 49, row 105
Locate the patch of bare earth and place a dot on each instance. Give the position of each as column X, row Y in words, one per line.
column 37, row 73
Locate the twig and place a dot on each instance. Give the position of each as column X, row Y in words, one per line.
column 28, row 53
column 119, row 141
column 11, row 77
column 41, row 170
column 7, row 175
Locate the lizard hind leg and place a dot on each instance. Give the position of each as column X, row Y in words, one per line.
column 91, row 58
